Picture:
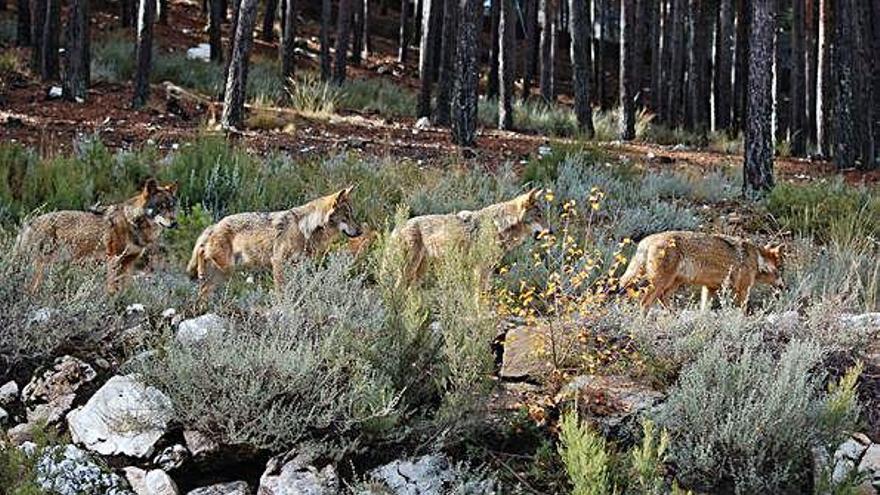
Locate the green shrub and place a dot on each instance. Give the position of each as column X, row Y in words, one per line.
column 180, row 241
column 825, row 209
column 741, row 417
column 311, row 96
column 388, row 99
column 648, row 459
column 585, row 456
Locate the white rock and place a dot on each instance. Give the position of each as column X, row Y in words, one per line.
column 195, row 330
column 296, row 478
column 8, row 393
column 134, row 308
column 544, row 150
column 41, row 315
column 169, row 313
column 154, row 482
column 202, row 51
column 3, row 416
column 29, row 448
column 197, row 443
column 426, row 475
column 123, row 417
column 850, row 449
column 787, row 320
column 55, row 92
column 233, row 488
column 423, row 123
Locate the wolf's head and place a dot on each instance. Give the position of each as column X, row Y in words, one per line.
column 159, row 203
column 530, row 212
column 341, row 214
column 770, row 265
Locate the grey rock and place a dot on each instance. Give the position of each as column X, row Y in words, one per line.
column 51, row 412
column 67, row 470
column 172, row 457
column 123, row 417
column 20, row 434
column 42, row 315
column 293, row 476
column 29, row 448
column 195, row 330
column 4, row 416
column 233, row 488
column 65, row 377
column 428, row 475
column 199, row 444
column 423, row 123
column 8, row 393
column 524, row 354
column 851, row 449
column 153, row 482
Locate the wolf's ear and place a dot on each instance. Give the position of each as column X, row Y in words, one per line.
column 171, row 187
column 774, row 250
column 528, row 199
column 341, row 196
column 151, row 186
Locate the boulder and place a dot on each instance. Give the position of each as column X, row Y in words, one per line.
column 291, row 474
column 199, row 444
column 525, row 353
column 67, row 470
column 427, row 475
column 8, row 393
column 3, row 416
column 233, row 488
column 153, row 482
column 870, row 466
column 195, row 330
column 50, row 395
column 123, row 417
column 614, row 402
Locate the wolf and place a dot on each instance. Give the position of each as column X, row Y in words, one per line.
column 433, row 236
column 117, row 234
column 668, row 260
column 270, row 239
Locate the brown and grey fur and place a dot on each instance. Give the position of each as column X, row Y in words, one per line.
column 669, row 260
column 431, row 236
column 117, row 235
column 270, row 239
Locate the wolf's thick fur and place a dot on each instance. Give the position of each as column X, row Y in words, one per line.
column 432, row 236
column 270, row 239
column 118, row 234
column 669, row 260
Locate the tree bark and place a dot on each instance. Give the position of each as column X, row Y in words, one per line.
column 127, row 13
column 579, row 29
column 676, row 79
column 627, row 130
column 741, row 69
column 446, row 78
column 798, row 81
column 758, row 166
column 268, row 32
column 326, row 13
column 215, row 30
column 23, row 24
column 357, row 31
column 780, row 97
column 655, row 12
column 465, row 90
column 724, row 49
column 426, row 55
column 51, row 33
column 530, row 45
column 143, row 52
column 403, row 40
column 76, row 54
column 548, row 51
column 494, row 48
column 343, row 30
column 506, row 63
column 367, row 41
column 288, row 42
column 236, row 82
column 38, row 21
column 811, row 56
column 163, row 12
column 601, row 83
column 824, row 88
column 846, row 145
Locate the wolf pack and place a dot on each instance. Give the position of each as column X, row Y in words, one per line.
column 120, row 234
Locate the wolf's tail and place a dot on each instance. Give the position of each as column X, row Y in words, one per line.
column 635, row 269
column 192, row 268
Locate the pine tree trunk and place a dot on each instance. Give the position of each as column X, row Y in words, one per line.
column 357, row 31
column 163, row 12
column 465, row 90
column 51, row 32
column 579, row 29
column 601, row 83
column 741, row 69
column 367, row 41
column 268, row 32
column 654, row 8
column 546, row 16
column 143, row 52
column 530, row 45
column 676, row 79
column 343, row 30
column 76, row 54
column 446, row 78
column 780, row 97
column 288, row 42
column 758, row 166
column 23, row 24
column 506, row 63
column 627, row 130
column 236, row 82
column 494, row 48
column 403, row 40
column 215, row 30
column 126, row 13
column 846, row 145
column 664, row 83
column 724, row 47
column 326, row 13
column 798, row 81
column 811, row 57
column 38, row 22
column 824, row 87
column 426, row 55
